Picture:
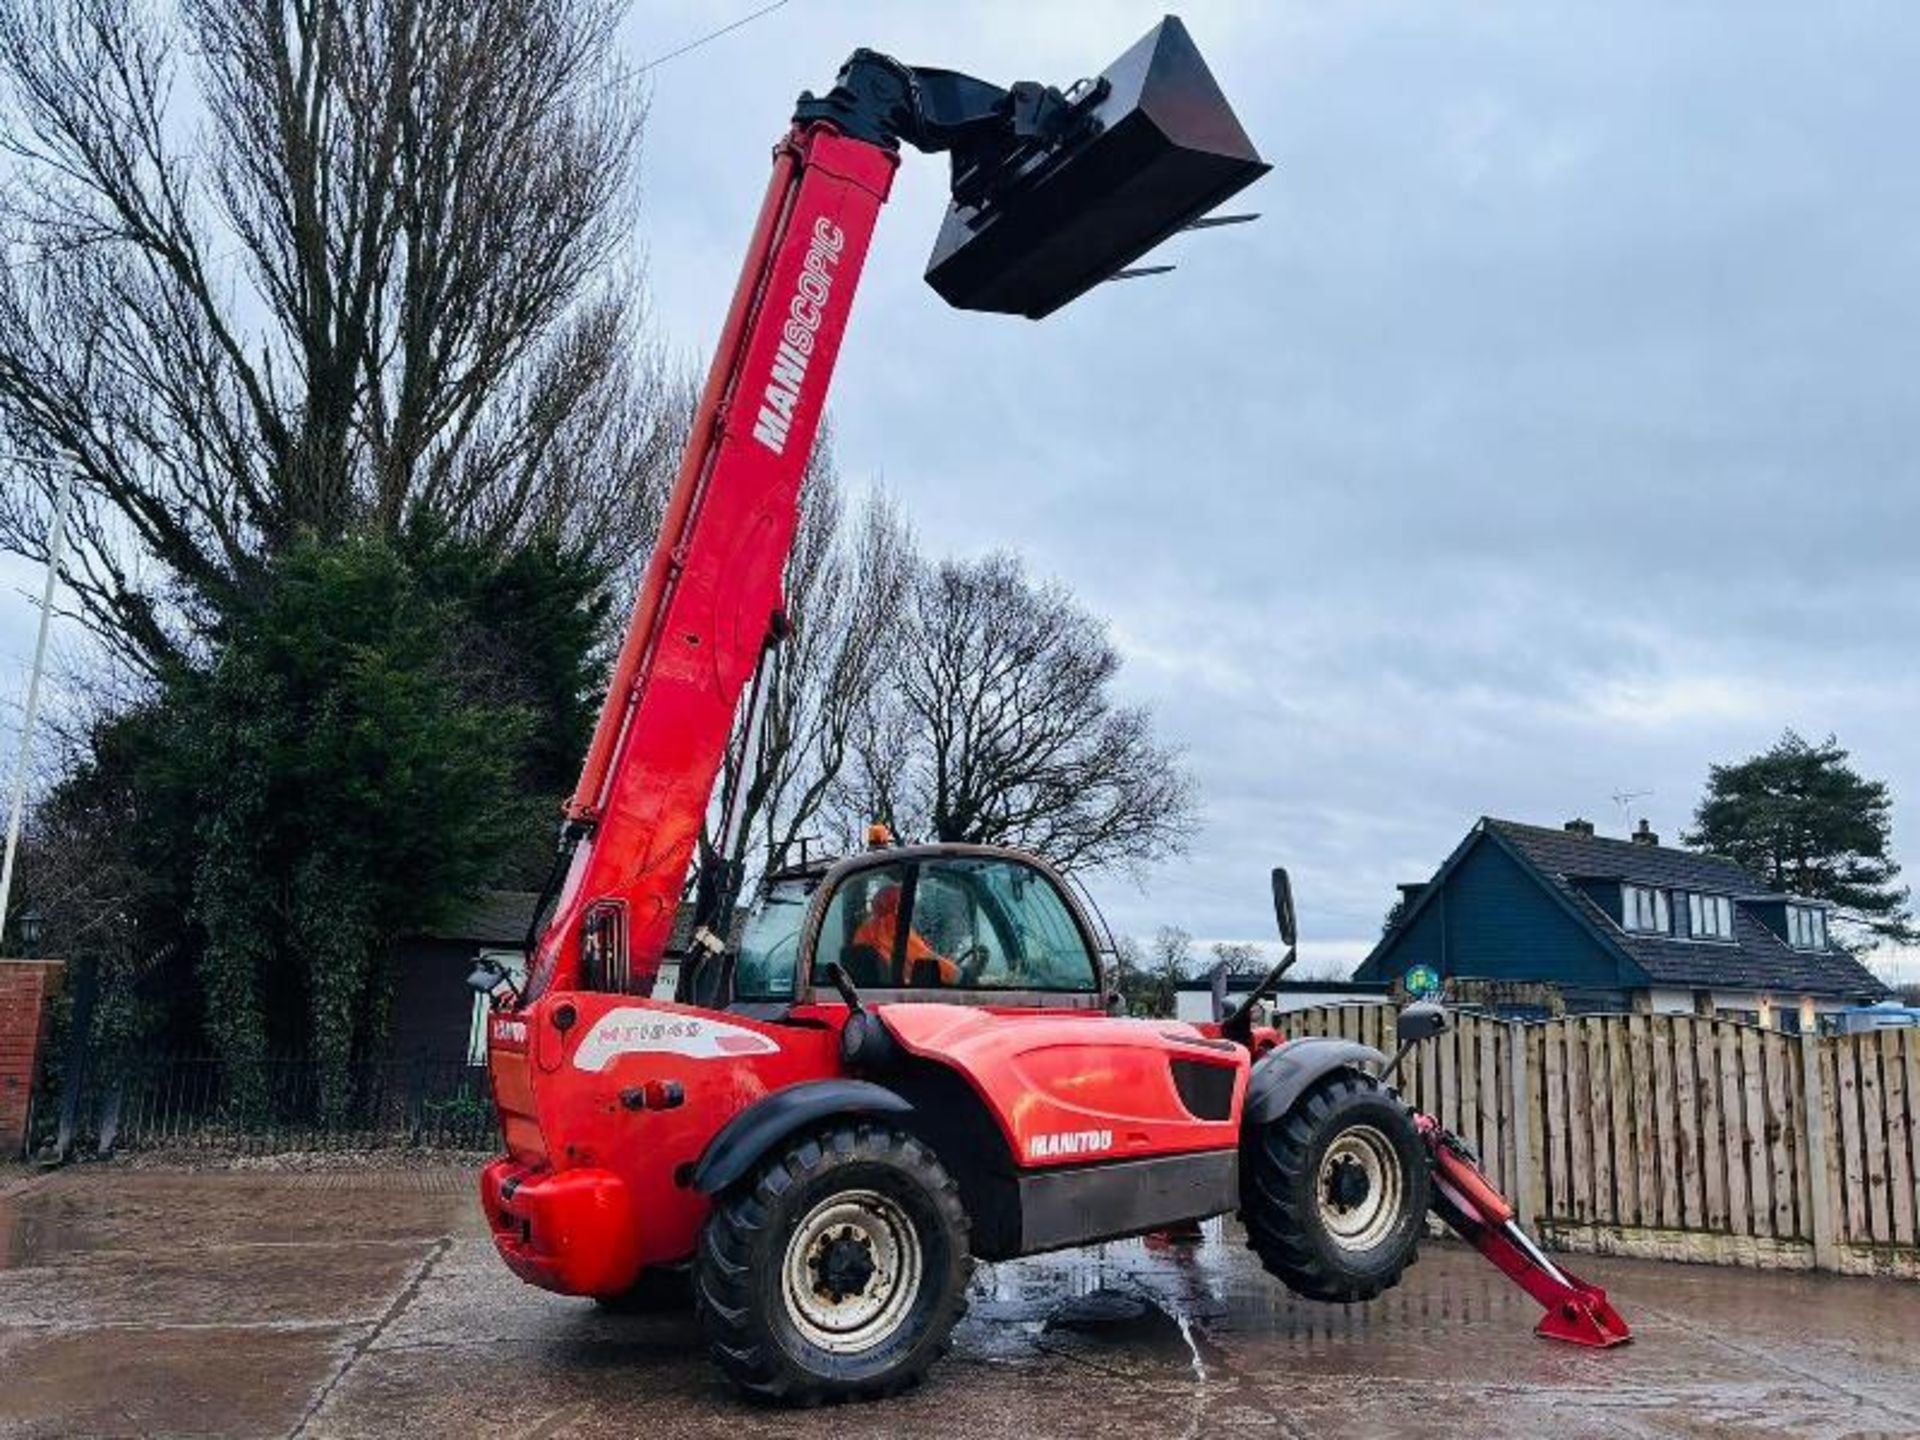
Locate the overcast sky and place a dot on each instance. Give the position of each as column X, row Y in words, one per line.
column 1551, row 436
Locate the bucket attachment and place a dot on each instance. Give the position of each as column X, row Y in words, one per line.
column 1159, row 147
column 1577, row 1312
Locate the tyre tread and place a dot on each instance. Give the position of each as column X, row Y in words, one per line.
column 1276, row 1190
column 751, row 1358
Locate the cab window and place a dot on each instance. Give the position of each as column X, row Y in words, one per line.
column 863, row 928
column 770, row 942
column 993, row 924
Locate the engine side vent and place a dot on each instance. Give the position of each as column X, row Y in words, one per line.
column 1206, row 1090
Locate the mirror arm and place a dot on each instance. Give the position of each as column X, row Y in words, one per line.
column 1239, row 1025
column 837, row 976
column 489, row 978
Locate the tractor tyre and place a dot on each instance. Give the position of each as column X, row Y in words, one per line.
column 656, row 1292
column 1334, row 1193
column 838, row 1271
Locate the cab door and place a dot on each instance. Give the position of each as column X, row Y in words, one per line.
column 1001, row 926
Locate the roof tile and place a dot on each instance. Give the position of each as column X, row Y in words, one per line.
column 1756, row 960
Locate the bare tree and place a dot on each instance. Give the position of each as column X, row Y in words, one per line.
column 998, row 724
column 1147, row 977
column 1323, row 968
column 1241, row 957
column 380, row 286
column 1171, row 952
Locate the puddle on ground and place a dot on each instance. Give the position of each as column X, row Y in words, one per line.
column 1175, row 1308
column 1145, row 1303
column 1134, row 1320
column 33, row 1235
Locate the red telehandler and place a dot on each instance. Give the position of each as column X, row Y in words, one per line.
column 908, row 1059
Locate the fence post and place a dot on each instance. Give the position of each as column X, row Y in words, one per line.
column 1521, row 1089
column 1819, row 1141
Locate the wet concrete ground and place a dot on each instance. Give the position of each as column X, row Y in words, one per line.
column 368, row 1303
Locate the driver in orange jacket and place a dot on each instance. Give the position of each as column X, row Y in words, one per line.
column 923, row 964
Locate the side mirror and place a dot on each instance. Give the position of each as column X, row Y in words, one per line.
column 1217, row 984
column 490, row 978
column 1283, row 905
column 1422, row 1020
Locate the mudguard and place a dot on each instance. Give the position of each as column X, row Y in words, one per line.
column 1290, row 1069
column 747, row 1138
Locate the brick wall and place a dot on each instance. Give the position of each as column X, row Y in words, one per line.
column 26, row 987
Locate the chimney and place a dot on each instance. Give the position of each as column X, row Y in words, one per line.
column 1577, row 826
column 1644, row 835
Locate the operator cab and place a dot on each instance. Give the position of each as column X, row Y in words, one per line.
column 961, row 924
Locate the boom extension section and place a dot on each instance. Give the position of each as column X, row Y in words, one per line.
column 1053, row 192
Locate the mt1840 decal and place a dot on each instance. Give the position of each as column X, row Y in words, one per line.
column 633, row 1031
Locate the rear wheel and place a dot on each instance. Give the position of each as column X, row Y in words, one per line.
column 1334, row 1193
column 839, row 1272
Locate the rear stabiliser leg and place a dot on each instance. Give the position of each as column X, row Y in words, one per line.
column 1577, row 1312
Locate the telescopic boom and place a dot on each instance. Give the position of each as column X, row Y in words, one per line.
column 1053, row 192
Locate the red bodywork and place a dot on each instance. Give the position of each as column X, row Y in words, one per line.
column 586, row 1220
column 616, row 1199
column 594, row 1186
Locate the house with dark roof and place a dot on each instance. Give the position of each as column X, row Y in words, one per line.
column 1591, row 923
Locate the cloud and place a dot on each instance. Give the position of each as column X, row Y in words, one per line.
column 1551, row 437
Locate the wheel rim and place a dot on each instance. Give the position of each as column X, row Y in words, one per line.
column 852, row 1271
column 1360, row 1188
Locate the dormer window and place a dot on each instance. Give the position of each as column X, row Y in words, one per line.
column 1710, row 917
column 1806, row 927
column 1644, row 909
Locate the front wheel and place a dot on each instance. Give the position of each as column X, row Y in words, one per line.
column 839, row 1272
column 1334, row 1193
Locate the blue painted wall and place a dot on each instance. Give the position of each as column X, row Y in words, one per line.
column 1493, row 920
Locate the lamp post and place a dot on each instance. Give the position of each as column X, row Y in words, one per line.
column 56, row 536
column 30, row 933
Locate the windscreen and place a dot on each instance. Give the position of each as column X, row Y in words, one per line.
column 770, row 942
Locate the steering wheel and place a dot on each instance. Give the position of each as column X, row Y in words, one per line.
column 973, row 960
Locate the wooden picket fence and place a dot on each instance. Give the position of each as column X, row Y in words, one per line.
column 1680, row 1137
